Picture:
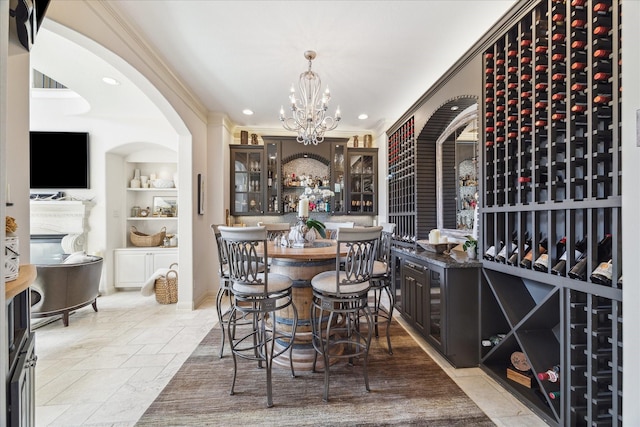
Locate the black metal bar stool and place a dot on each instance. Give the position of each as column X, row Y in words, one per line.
column 340, row 299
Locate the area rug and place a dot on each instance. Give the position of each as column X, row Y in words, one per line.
column 407, row 388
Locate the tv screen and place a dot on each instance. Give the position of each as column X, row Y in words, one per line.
column 59, row 160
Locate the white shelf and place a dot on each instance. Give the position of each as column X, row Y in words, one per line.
column 173, row 189
column 151, row 218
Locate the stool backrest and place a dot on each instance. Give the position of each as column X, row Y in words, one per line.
column 331, row 228
column 384, row 249
column 222, row 257
column 362, row 249
column 246, row 251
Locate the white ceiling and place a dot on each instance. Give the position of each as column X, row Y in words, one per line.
column 377, row 57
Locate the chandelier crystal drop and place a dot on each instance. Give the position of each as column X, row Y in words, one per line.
column 308, row 112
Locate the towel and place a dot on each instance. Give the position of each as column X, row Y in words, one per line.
column 148, row 287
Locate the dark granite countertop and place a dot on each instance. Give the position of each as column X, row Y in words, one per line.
column 456, row 259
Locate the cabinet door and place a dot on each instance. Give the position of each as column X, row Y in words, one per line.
column 163, row 259
column 338, row 178
column 22, row 402
column 413, row 294
column 435, row 307
column 131, row 268
column 273, row 196
column 362, row 164
column 247, row 181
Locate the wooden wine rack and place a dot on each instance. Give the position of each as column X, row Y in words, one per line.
column 402, row 183
column 552, row 156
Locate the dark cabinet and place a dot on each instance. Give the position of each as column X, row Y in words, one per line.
column 362, row 180
column 439, row 298
column 255, row 179
column 20, row 381
column 265, row 179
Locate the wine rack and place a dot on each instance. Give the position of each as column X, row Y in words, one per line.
column 402, row 183
column 552, row 191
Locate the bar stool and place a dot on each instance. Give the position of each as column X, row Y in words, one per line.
column 225, row 285
column 340, row 300
column 381, row 282
column 258, row 294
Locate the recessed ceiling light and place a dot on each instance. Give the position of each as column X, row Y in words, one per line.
column 363, row 116
column 454, row 108
column 247, row 112
column 110, row 81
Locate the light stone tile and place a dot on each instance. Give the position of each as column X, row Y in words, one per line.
column 46, row 414
column 95, row 386
column 101, row 361
column 75, row 415
column 140, row 361
column 53, row 388
column 520, row 421
column 150, row 349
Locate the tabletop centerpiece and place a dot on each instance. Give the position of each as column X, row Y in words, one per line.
column 303, row 234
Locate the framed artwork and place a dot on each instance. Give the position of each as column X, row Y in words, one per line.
column 200, row 194
column 166, row 206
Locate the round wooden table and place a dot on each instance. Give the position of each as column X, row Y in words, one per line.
column 301, row 265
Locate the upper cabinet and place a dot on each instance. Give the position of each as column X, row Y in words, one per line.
column 270, row 179
column 362, row 167
column 248, row 180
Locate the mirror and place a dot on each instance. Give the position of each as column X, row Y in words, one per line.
column 457, row 174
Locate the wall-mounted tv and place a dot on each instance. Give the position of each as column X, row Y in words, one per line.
column 58, row 160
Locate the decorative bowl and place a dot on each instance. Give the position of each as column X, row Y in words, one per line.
column 163, row 183
column 438, row 248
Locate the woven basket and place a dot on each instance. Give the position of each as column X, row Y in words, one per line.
column 166, row 287
column 141, row 239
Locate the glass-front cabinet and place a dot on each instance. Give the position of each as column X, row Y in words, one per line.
column 274, row 205
column 362, row 165
column 338, row 177
column 247, row 180
column 269, row 179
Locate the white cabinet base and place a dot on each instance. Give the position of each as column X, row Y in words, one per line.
column 133, row 266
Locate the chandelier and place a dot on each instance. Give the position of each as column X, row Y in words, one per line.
column 308, row 112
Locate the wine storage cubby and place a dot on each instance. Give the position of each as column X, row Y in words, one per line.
column 402, row 183
column 551, row 206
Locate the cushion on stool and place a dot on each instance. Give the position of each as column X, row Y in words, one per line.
column 277, row 283
column 325, row 283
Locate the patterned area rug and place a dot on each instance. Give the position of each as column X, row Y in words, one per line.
column 407, row 388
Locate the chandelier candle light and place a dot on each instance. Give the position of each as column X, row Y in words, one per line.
column 308, row 117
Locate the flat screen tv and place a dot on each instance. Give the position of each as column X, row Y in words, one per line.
column 58, row 160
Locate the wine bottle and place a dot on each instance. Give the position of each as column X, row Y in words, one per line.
column 513, row 259
column 552, row 375
column 580, row 248
column 601, row 7
column 493, row 340
column 527, row 261
column 502, row 255
column 270, row 179
column 490, row 254
column 554, row 394
column 602, row 274
column 542, row 263
column 579, row 271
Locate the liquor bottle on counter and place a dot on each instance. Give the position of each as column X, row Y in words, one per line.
column 490, row 254
column 579, row 271
column 513, row 259
column 580, row 248
column 493, row 340
column 552, row 375
column 542, row 263
column 602, row 274
column 502, row 255
column 527, row 261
